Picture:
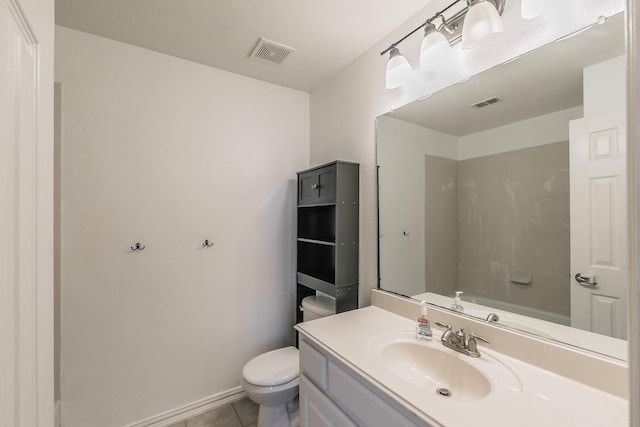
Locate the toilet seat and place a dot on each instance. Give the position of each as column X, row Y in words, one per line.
column 273, row 368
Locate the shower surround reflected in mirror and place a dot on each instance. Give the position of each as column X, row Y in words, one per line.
column 476, row 198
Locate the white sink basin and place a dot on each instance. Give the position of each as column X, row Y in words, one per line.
column 432, row 369
column 445, row 373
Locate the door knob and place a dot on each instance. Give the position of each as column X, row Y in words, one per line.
column 588, row 280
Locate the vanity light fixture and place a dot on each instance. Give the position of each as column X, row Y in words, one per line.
column 481, row 24
column 530, row 9
column 477, row 22
column 397, row 68
column 434, row 47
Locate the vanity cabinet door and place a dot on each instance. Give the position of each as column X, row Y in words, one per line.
column 316, row 410
column 361, row 404
column 314, row 365
column 333, row 395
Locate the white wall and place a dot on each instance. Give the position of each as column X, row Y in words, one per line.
column 343, row 110
column 168, row 153
column 534, row 132
column 605, row 87
column 401, row 152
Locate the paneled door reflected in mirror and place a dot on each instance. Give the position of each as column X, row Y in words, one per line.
column 511, row 187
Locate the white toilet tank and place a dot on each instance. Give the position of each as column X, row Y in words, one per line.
column 317, row 306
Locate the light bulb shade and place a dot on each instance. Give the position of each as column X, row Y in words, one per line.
column 398, row 69
column 433, row 50
column 482, row 23
column 530, row 9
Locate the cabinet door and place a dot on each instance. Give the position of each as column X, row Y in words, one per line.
column 361, row 404
column 317, row 410
column 317, row 186
column 308, row 190
column 327, row 184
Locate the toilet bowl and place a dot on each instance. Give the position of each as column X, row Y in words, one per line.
column 271, row 379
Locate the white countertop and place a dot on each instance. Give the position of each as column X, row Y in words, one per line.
column 544, row 398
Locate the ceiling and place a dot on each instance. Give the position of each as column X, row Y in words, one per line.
column 553, row 76
column 327, row 35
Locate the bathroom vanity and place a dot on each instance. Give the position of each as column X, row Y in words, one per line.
column 365, row 368
column 333, row 394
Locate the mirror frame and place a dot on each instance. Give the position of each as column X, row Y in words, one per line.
column 632, row 29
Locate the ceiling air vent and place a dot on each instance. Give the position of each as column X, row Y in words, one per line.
column 486, row 102
column 271, row 52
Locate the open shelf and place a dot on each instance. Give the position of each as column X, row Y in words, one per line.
column 317, row 223
column 317, row 261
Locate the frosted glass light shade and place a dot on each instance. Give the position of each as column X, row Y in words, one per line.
column 530, row 9
column 398, row 69
column 482, row 23
column 433, row 50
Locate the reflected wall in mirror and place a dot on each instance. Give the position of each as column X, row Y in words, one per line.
column 507, row 185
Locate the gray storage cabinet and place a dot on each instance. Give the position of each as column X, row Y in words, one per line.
column 328, row 236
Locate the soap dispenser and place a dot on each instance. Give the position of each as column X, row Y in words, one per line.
column 457, row 306
column 423, row 328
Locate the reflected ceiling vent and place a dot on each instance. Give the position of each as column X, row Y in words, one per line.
column 486, row 102
column 271, row 52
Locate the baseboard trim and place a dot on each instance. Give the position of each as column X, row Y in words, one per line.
column 192, row 409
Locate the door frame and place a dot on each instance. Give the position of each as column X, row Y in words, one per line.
column 29, row 328
column 633, row 170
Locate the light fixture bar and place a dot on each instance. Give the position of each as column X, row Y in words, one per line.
column 424, row 24
column 453, row 24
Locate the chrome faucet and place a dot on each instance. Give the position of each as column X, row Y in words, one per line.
column 459, row 342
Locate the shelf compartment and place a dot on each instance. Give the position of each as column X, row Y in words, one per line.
column 316, row 284
column 317, row 223
column 317, row 261
column 346, row 297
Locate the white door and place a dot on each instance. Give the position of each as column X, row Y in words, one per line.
column 26, row 398
column 599, row 264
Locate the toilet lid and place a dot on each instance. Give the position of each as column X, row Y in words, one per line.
column 273, row 368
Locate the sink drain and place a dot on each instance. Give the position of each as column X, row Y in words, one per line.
column 443, row 392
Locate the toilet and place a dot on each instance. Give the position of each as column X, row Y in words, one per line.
column 271, row 379
column 317, row 306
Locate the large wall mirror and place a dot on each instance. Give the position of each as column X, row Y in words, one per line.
column 510, row 187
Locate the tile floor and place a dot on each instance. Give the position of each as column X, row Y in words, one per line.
column 242, row 413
